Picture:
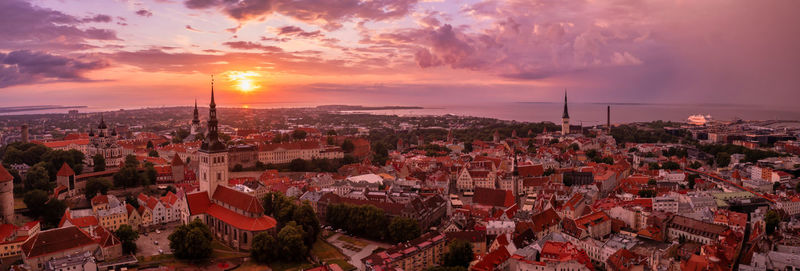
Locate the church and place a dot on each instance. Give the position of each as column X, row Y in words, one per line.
column 234, row 217
column 105, row 144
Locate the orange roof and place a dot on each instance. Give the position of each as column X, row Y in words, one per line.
column 65, row 171
column 54, row 241
column 4, row 175
column 239, row 221
column 198, row 202
column 64, row 143
column 592, row 219
column 239, row 200
column 100, row 199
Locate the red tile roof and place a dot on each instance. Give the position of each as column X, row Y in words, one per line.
column 239, row 221
column 491, row 260
column 104, row 238
column 99, row 199
column 54, row 241
column 530, row 170
column 198, row 202
column 65, row 171
column 4, row 175
column 592, row 219
column 239, row 200
column 493, row 197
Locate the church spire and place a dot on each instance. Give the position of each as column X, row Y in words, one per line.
column 211, row 142
column 196, row 116
column 566, row 113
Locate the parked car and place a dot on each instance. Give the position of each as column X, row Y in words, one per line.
column 155, row 242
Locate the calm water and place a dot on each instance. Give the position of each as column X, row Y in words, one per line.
column 591, row 114
column 588, row 113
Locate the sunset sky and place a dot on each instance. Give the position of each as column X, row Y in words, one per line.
column 404, row 52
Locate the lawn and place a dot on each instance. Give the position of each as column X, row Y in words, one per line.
column 352, row 241
column 328, row 253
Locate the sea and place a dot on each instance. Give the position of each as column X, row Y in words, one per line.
column 587, row 114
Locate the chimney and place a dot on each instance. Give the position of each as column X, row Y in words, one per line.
column 24, row 129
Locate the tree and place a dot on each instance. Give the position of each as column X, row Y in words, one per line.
column 647, row 193
column 695, row 165
column 263, row 249
column 169, row 188
column 348, row 146
column 127, row 177
column 182, row 134
column 692, row 180
column 574, row 146
column 459, row 253
column 468, row 148
column 127, row 236
column 150, row 174
column 238, row 167
column 298, row 165
column 191, row 241
column 99, row 162
column 130, row 199
column 152, row 153
column 653, row 166
column 776, row 186
column 277, row 139
column 96, row 186
column 290, row 239
column 331, row 133
column 36, row 200
column 723, row 159
column 38, row 177
column 150, row 145
column 403, row 229
column 305, row 217
column 299, row 134
column 797, row 188
column 52, row 213
column 329, row 140
column 669, row 165
column 652, row 182
column 381, row 153
column 131, row 161
column 772, row 219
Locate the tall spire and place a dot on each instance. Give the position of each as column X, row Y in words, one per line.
column 196, row 116
column 566, row 113
column 211, row 142
column 212, row 92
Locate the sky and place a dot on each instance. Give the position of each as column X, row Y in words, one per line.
column 267, row 53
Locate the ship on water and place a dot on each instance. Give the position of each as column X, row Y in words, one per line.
column 699, row 119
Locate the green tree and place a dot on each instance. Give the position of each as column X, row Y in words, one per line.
column 127, row 177
column 128, row 237
column 348, row 146
column 130, row 199
column 150, row 145
column 692, row 180
column 776, row 186
column 305, row 217
column 299, row 134
column 330, row 141
column 99, row 162
column 695, row 165
column 237, row 168
column 36, row 200
column 652, row 182
column 574, row 146
column 52, row 213
column 54, row 159
column 647, row 193
column 298, row 165
column 150, row 174
column 653, row 166
column 773, row 218
column 191, row 241
column 291, row 240
column 723, row 159
column 263, row 249
column 669, row 165
column 96, row 186
column 797, row 188
column 152, row 153
column 468, row 148
column 38, row 177
column 402, row 229
column 459, row 253
column 131, row 161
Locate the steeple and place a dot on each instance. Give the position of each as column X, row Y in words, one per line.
column 196, row 117
column 566, row 113
column 211, row 142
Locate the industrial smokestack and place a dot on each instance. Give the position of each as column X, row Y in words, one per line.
column 24, row 129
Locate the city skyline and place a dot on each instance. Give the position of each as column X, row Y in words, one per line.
column 153, row 53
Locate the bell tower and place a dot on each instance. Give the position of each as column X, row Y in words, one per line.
column 213, row 154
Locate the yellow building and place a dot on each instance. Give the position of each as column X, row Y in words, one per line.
column 12, row 237
column 418, row 254
column 134, row 219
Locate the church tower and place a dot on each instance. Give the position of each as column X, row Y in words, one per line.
column 213, row 155
column 565, row 117
column 195, row 120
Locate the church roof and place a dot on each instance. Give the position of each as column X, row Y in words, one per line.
column 566, row 113
column 4, row 175
column 239, row 200
column 65, row 171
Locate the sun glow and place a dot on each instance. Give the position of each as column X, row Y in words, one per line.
column 245, row 81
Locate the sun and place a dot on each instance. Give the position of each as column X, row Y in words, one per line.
column 244, row 81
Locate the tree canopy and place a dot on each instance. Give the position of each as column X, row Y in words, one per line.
column 191, row 241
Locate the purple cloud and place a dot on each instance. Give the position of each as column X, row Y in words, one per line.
column 328, row 13
column 25, row 67
column 144, row 13
column 24, row 26
column 291, row 30
column 247, row 45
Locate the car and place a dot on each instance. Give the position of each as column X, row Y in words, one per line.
column 145, row 233
column 160, row 251
column 155, row 242
column 158, row 231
